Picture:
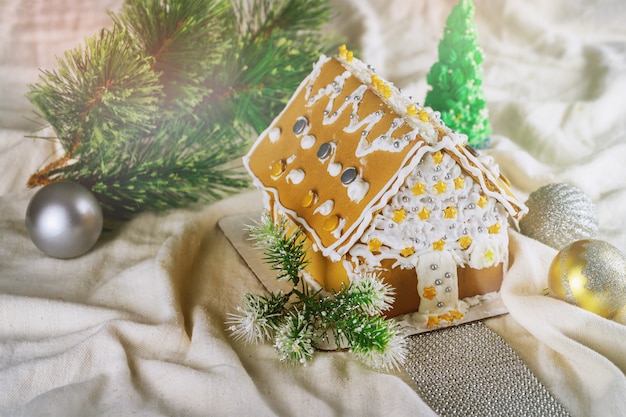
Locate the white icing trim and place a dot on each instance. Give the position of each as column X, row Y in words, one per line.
column 414, row 154
column 399, row 103
column 409, row 231
column 479, row 171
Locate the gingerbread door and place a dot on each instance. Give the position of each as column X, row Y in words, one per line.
column 437, row 282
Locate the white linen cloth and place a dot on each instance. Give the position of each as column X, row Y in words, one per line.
column 136, row 326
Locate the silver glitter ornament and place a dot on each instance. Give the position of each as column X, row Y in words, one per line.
column 64, row 220
column 559, row 214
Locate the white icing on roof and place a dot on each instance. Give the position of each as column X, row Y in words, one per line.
column 422, row 135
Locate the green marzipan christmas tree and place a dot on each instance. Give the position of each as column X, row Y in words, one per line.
column 456, row 79
column 304, row 320
column 152, row 113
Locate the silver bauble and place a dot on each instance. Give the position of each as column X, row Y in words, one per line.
column 64, row 220
column 559, row 214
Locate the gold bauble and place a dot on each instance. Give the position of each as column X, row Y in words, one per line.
column 591, row 274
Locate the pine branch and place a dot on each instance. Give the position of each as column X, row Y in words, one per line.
column 154, row 113
column 278, row 43
column 175, row 34
column 101, row 94
column 261, row 18
column 283, row 249
column 164, row 176
column 303, row 319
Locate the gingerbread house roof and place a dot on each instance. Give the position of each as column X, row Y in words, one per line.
column 344, row 145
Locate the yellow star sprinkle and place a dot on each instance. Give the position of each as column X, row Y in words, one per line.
column 457, row 315
column 377, row 83
column 465, row 242
column 494, row 229
column 418, row 189
column 429, row 293
column 489, row 256
column 423, row 214
column 399, row 215
column 423, row 115
column 438, row 157
column 374, row 245
column 446, row 317
column 408, row 251
column 482, row 201
column 439, row 245
column 432, row 321
column 449, row 213
column 386, row 90
column 411, row 110
column 344, row 52
column 459, row 182
column 440, row 187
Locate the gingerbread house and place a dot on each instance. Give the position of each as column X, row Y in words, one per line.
column 379, row 183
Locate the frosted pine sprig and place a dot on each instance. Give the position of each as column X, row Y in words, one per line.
column 283, row 250
column 258, row 318
column 372, row 295
column 295, row 338
column 301, row 320
column 389, row 356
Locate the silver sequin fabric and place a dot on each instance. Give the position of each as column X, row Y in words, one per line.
column 469, row 370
